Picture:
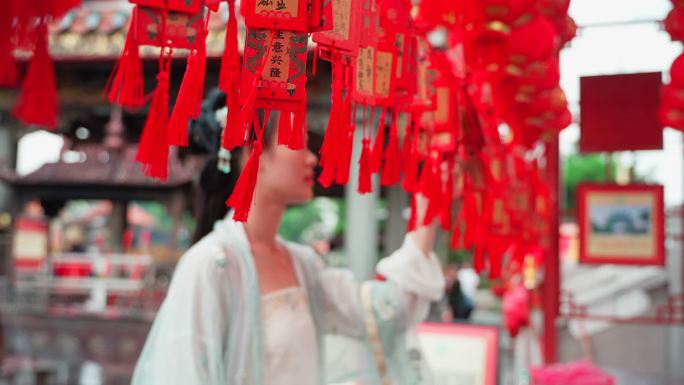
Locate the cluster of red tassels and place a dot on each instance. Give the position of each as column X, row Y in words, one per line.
column 24, row 27
column 165, row 128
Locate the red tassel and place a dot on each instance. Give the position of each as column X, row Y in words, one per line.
column 126, row 85
column 230, row 61
column 479, row 259
column 379, row 144
column 296, row 140
column 284, row 128
column 153, row 151
column 37, row 102
column 391, row 173
column 248, row 111
column 327, row 176
column 328, row 153
column 497, row 248
column 243, row 194
column 189, row 100
column 344, row 158
column 365, row 185
column 411, row 172
column 431, row 187
column 9, row 73
column 411, row 161
column 447, row 200
column 336, row 132
column 234, row 133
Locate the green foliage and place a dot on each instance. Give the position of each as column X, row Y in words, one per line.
column 312, row 220
column 584, row 168
column 297, row 219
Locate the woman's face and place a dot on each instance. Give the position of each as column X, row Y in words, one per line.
column 285, row 175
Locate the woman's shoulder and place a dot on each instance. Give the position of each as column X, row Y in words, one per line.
column 306, row 255
column 207, row 257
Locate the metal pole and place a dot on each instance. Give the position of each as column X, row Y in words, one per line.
column 551, row 285
column 361, row 238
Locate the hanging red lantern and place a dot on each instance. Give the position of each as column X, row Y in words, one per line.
column 566, row 28
column 534, row 41
column 677, row 71
column 672, row 116
column 501, row 16
column 554, row 9
column 674, row 24
column 516, row 309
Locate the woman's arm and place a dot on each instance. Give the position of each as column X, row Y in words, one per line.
column 413, row 273
column 424, row 235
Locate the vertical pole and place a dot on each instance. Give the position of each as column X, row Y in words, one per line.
column 117, row 226
column 395, row 229
column 675, row 265
column 551, row 285
column 361, row 237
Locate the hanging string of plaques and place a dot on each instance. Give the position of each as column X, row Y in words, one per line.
column 273, row 78
column 170, row 25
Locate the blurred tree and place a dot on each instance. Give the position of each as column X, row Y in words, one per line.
column 579, row 168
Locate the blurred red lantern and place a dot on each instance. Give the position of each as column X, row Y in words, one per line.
column 534, row 41
column 674, row 24
column 516, row 309
column 509, row 12
column 673, row 95
column 554, row 9
column 566, row 28
column 677, row 71
column 671, row 113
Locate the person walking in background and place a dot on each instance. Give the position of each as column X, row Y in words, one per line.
column 461, row 290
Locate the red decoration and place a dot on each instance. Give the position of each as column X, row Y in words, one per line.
column 674, row 24
column 619, row 112
column 169, row 25
column 185, row 6
column 37, row 102
column 291, row 15
column 153, row 151
column 126, row 84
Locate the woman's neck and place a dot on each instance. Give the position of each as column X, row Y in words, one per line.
column 264, row 221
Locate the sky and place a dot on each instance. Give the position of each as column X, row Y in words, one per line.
column 604, row 45
column 624, row 36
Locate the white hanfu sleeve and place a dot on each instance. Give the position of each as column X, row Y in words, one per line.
column 186, row 343
column 417, row 278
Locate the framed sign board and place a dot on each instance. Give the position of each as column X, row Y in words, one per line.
column 621, row 224
column 458, row 354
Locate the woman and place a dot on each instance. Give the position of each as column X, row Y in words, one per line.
column 246, row 307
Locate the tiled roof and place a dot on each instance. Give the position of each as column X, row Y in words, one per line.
column 94, row 165
column 97, row 30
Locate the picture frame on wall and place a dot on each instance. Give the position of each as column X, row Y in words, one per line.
column 460, row 353
column 621, row 224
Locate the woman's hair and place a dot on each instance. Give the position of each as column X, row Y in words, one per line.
column 215, row 186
